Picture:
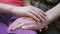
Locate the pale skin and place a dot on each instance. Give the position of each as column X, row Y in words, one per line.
column 28, row 23
column 27, row 11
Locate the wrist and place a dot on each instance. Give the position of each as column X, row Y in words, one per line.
column 19, row 11
column 6, row 8
column 53, row 13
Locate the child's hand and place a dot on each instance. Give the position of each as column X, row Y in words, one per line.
column 25, row 23
column 29, row 11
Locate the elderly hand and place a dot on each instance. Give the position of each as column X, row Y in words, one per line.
column 25, row 23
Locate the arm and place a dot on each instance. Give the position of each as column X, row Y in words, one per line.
column 27, row 11
column 51, row 16
column 53, row 13
column 6, row 8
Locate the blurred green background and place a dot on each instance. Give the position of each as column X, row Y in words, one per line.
column 54, row 28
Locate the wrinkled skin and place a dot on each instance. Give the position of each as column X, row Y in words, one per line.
column 25, row 23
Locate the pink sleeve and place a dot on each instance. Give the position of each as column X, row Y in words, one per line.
column 12, row 2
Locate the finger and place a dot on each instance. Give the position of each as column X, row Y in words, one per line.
column 46, row 27
column 37, row 14
column 22, row 24
column 17, row 21
column 45, row 24
column 40, row 13
column 21, row 20
column 32, row 16
column 40, row 25
column 30, row 27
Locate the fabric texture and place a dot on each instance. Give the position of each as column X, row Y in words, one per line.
column 6, row 19
column 12, row 2
column 4, row 27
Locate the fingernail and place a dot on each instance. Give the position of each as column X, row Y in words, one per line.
column 22, row 27
column 46, row 27
column 40, row 30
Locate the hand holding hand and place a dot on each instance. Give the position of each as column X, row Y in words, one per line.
column 25, row 23
column 29, row 11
